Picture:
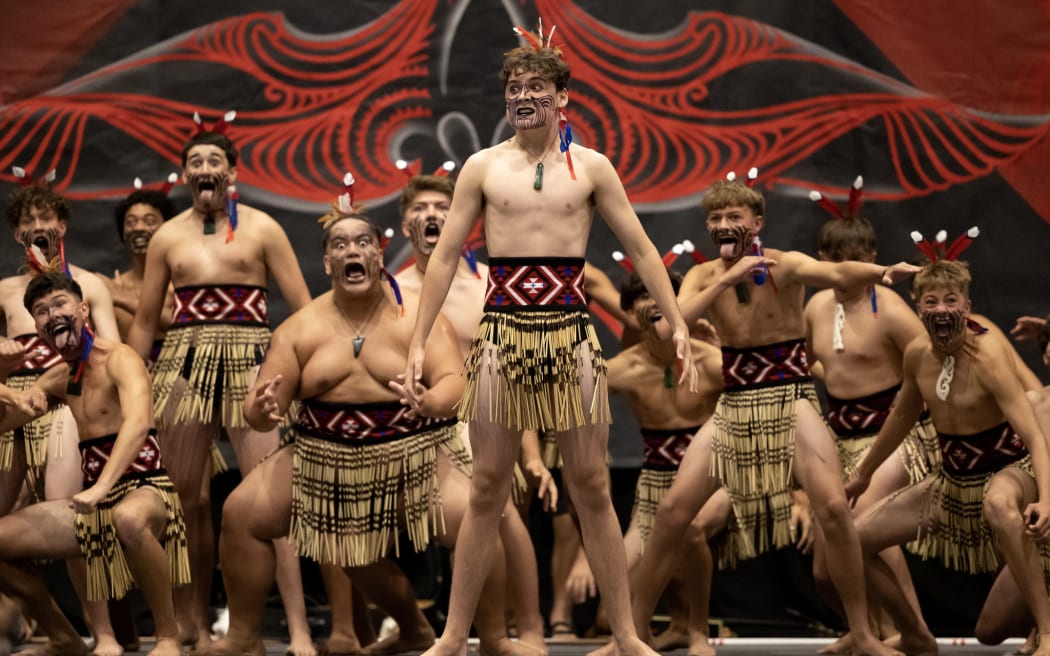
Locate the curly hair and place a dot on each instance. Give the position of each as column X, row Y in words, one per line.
column 545, row 62
column 23, row 199
column 155, row 199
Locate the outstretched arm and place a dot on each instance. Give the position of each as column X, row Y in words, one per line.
column 464, row 212
column 847, row 276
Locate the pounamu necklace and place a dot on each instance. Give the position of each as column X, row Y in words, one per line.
column 359, row 339
column 537, row 180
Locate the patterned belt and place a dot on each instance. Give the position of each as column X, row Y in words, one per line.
column 535, row 283
column 95, row 453
column 237, row 304
column 861, row 416
column 989, row 450
column 664, row 449
column 770, row 364
column 362, row 423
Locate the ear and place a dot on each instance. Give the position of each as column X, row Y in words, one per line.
column 404, row 228
column 233, row 174
column 562, row 98
column 83, row 310
column 759, row 222
column 62, row 227
column 327, row 267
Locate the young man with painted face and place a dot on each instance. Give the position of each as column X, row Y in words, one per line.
column 127, row 521
column 362, row 464
column 138, row 217
column 989, row 504
column 857, row 340
column 537, row 204
column 39, row 216
column 767, row 383
column 216, row 341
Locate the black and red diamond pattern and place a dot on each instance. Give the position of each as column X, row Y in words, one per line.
column 986, row 451
column 541, row 284
column 41, row 356
column 244, row 305
column 374, row 422
column 764, row 364
column 95, row 453
column 863, row 416
column 664, row 449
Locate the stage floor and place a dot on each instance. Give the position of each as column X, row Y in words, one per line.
column 733, row 646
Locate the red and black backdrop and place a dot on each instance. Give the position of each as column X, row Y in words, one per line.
column 943, row 107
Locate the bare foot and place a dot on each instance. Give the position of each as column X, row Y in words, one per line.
column 700, row 645
column 634, row 647
column 534, row 640
column 227, row 647
column 507, row 647
column 398, row 643
column 1042, row 647
column 608, row 649
column 893, row 641
column 71, row 646
column 300, row 646
column 843, row 645
column 445, row 647
column 339, row 645
column 107, row 645
column 1030, row 643
column 167, row 647
column 671, row 639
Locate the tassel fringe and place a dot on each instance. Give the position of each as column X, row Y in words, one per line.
column 35, row 432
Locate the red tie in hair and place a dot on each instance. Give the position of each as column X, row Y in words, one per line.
column 940, row 250
column 623, row 261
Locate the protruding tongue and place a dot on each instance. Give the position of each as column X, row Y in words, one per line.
column 206, row 195
column 727, row 249
column 61, row 339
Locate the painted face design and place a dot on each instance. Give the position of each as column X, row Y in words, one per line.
column 529, row 113
column 137, row 241
column 354, row 257
column 208, row 189
column 46, row 239
column 424, row 228
column 947, row 328
column 647, row 313
column 733, row 241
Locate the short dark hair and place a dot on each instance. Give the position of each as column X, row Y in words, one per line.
column 632, row 288
column 155, row 199
column 545, row 62
column 23, row 199
column 850, row 238
column 420, row 183
column 211, row 139
column 45, row 283
column 332, row 220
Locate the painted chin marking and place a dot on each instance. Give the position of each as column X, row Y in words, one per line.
column 63, row 335
column 138, row 240
column 529, row 113
column 945, row 329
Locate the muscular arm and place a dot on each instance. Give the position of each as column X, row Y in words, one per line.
column 442, row 371
column 98, row 298
column 129, row 374
column 905, row 412
column 281, row 361
column 151, row 300
column 284, row 266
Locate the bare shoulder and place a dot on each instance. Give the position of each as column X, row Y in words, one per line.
column 819, row 301
column 91, row 283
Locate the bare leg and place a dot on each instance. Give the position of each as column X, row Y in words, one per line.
column 204, row 568
column 1004, row 500
column 1005, row 613
column 256, row 513
column 699, row 568
column 895, row 521
column 385, row 583
column 40, row 531
column 343, row 638
column 817, row 469
column 523, row 585
column 563, row 555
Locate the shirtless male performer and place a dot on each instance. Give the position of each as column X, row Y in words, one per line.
column 857, row 341
column 362, row 464
column 127, row 521
column 536, row 363
column 989, row 504
column 767, row 380
column 219, row 268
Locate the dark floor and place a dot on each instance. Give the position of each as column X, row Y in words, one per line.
column 735, row 646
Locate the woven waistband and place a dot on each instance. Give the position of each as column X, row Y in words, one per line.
column 362, row 423
column 535, row 283
column 769, row 364
column 860, row 416
column 664, row 449
column 43, row 358
column 95, row 453
column 989, row 450
column 236, row 304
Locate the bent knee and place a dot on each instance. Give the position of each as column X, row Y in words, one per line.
column 1001, row 510
column 130, row 523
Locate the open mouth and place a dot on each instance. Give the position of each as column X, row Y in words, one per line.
column 354, row 272
column 206, row 190
column 727, row 246
column 525, row 111
column 42, row 242
column 61, row 332
column 431, row 232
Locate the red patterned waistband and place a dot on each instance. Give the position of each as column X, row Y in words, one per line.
column 42, row 359
column 244, row 305
column 362, row 423
column 861, row 416
column 664, row 449
column 95, row 453
column 535, row 283
column 989, row 450
column 762, row 366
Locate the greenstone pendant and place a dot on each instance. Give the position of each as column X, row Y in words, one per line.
column 537, row 182
column 209, row 226
column 668, row 378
